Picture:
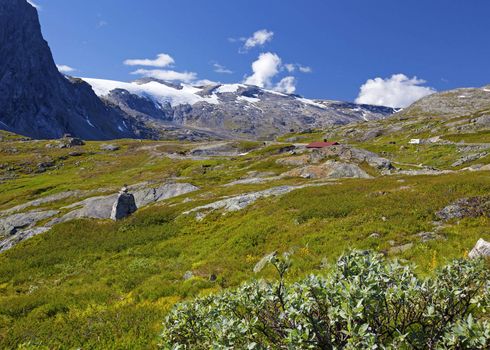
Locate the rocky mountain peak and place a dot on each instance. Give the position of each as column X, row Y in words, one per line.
column 35, row 99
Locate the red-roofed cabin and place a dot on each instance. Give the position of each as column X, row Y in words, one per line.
column 321, row 144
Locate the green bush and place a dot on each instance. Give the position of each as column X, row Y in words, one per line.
column 365, row 302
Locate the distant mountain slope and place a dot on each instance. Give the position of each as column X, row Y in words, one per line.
column 457, row 116
column 457, row 102
column 35, row 99
column 229, row 110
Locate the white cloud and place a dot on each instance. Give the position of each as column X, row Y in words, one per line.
column 63, row 68
column 33, row 4
column 305, row 69
column 291, row 67
column 396, row 91
column 258, row 38
column 218, row 68
column 286, row 85
column 169, row 75
column 162, row 60
column 264, row 69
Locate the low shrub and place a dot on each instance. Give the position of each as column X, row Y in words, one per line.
column 364, row 302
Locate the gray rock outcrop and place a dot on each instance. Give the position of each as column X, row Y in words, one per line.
column 40, row 201
column 481, row 249
column 468, row 158
column 331, row 169
column 466, row 208
column 156, row 194
column 16, row 227
column 349, row 153
column 241, row 201
column 123, row 206
column 101, row 207
column 10, row 225
column 20, row 236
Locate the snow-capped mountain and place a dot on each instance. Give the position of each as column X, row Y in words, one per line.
column 228, row 110
column 37, row 101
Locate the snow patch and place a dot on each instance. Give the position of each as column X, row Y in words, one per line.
column 231, row 88
column 248, row 99
column 276, row 93
column 89, row 122
column 153, row 90
column 310, row 102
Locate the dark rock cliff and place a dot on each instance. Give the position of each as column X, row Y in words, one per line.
column 35, row 99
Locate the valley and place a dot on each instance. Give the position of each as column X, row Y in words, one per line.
column 144, row 207
column 225, row 206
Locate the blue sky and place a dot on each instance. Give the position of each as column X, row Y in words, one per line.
column 343, row 43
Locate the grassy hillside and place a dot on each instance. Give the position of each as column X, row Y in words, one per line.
column 103, row 284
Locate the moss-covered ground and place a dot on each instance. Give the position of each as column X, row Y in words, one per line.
column 97, row 284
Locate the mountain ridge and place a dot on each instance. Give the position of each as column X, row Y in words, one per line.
column 36, row 100
column 230, row 110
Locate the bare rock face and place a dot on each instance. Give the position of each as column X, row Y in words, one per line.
column 124, row 206
column 481, row 249
column 359, row 155
column 14, row 223
column 329, row 170
column 35, row 99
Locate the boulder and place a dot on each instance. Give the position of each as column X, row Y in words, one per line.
column 466, row 208
column 481, row 249
column 124, row 205
column 109, row 147
column 68, row 142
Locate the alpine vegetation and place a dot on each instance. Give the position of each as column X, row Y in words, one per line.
column 364, row 302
